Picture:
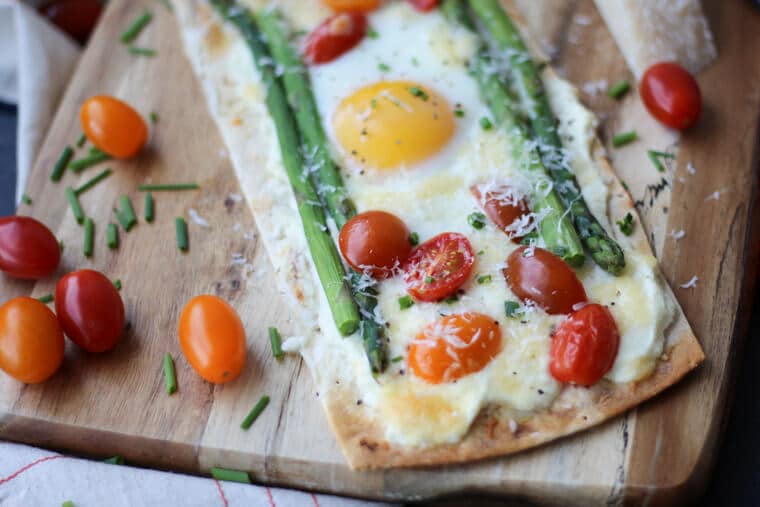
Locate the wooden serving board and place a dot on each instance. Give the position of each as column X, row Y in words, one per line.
column 101, row 405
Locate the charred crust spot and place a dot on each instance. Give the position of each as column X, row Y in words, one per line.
column 370, row 446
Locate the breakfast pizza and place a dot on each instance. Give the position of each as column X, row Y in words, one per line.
column 462, row 261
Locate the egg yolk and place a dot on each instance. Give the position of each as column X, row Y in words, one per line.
column 392, row 124
column 454, row 346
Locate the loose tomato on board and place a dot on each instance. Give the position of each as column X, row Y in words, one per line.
column 212, row 339
column 335, row 36
column 27, row 248
column 545, row 279
column 113, row 126
column 352, row 5
column 671, row 95
column 424, row 5
column 376, row 242
column 439, row 266
column 502, row 207
column 31, row 340
column 433, row 357
column 75, row 17
column 584, row 346
column 90, row 310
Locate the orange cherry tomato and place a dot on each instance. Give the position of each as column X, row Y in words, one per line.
column 212, row 338
column 671, row 95
column 439, row 266
column 584, row 346
column 544, row 279
column 27, row 248
column 454, row 346
column 31, row 340
column 424, row 5
column 352, row 5
column 113, row 126
column 375, row 242
column 335, row 36
column 503, row 206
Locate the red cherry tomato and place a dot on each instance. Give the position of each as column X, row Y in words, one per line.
column 75, row 17
column 544, row 279
column 113, row 126
column 439, row 266
column 212, row 338
column 584, row 346
column 90, row 310
column 671, row 95
column 335, row 36
column 503, row 207
column 27, row 248
column 375, row 242
column 31, row 340
column 424, row 5
column 352, row 5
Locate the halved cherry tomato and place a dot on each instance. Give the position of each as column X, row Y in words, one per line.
column 90, row 310
column 335, row 36
column 113, row 126
column 212, row 338
column 27, row 248
column 75, row 17
column 454, row 346
column 352, row 5
column 31, row 340
column 671, row 95
column 439, row 266
column 503, row 207
column 545, row 279
column 584, row 346
column 375, row 242
column 424, row 5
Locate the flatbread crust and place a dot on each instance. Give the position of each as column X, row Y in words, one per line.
column 361, row 438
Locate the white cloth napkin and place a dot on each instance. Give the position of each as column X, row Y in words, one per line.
column 36, row 61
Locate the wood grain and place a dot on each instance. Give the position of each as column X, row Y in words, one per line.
column 115, row 403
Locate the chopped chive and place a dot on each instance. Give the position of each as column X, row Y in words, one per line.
column 510, row 308
column 405, row 302
column 418, row 92
column 383, row 67
column 485, row 123
column 663, row 154
column 82, row 139
column 94, row 158
column 76, row 208
column 654, row 157
column 47, row 298
column 61, row 245
column 429, row 279
column 459, row 112
column 255, row 412
column 626, row 224
column 127, row 213
column 122, row 220
column 625, row 185
column 372, row 33
column 94, row 150
column 373, row 103
column 134, row 50
column 225, row 474
column 451, row 299
column 181, row 226
column 26, row 200
column 481, row 252
column 619, row 89
column 477, row 220
column 61, row 163
column 397, row 359
column 276, row 341
column 414, row 239
column 482, row 279
column 93, row 181
column 67, row 503
column 625, row 138
column 112, row 236
column 153, row 117
column 117, row 284
column 168, row 187
column 136, row 27
column 415, row 62
column 115, row 460
column 170, row 377
column 149, row 207
column 89, row 236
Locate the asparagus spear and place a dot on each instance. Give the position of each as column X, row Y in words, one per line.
column 499, row 27
column 323, row 252
column 326, row 177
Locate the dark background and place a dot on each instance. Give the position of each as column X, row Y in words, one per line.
column 735, row 480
